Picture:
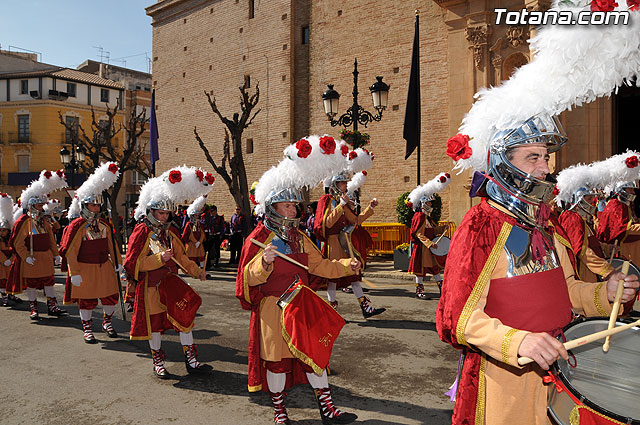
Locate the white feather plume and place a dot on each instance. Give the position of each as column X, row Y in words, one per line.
column 6, row 211
column 101, row 179
column 362, row 160
column 48, row 182
column 17, row 212
column 572, row 65
column 435, row 185
column 573, row 178
column 197, row 205
column 162, row 189
column 294, row 171
column 356, row 182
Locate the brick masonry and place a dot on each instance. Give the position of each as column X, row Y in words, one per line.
column 212, row 45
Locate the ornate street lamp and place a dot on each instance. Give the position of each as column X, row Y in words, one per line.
column 72, row 159
column 356, row 114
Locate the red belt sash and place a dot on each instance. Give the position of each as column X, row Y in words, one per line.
column 41, row 242
column 537, row 302
column 155, row 276
column 94, row 251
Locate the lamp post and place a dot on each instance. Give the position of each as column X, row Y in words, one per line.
column 72, row 159
column 356, row 114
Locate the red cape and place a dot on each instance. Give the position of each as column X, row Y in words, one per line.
column 15, row 283
column 575, row 228
column 138, row 246
column 613, row 222
column 471, row 245
column 318, row 225
column 250, row 297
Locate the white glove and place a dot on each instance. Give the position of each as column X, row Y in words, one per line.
column 119, row 268
column 30, row 260
column 197, row 244
column 7, row 262
column 57, row 260
column 76, row 280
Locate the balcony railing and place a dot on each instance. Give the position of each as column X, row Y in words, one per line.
column 19, row 137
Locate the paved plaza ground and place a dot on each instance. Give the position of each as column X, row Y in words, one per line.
column 391, row 369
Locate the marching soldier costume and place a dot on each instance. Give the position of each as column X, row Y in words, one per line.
column 509, row 284
column 424, row 232
column 89, row 251
column 283, row 307
column 34, row 245
column 155, row 253
column 6, row 255
column 193, row 235
column 336, row 223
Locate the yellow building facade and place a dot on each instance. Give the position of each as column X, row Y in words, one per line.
column 31, row 135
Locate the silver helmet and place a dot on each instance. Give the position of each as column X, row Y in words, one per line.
column 160, row 204
column 624, row 196
column 333, row 188
column 520, row 192
column 89, row 199
column 275, row 222
column 423, row 204
column 580, row 205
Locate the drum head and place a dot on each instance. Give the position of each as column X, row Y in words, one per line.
column 609, row 382
column 443, row 246
column 616, row 263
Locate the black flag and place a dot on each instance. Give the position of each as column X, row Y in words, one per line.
column 412, row 115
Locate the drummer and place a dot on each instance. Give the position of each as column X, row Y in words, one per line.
column 274, row 364
column 154, row 251
column 425, row 232
column 509, row 285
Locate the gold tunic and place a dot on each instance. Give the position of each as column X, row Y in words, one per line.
column 43, row 265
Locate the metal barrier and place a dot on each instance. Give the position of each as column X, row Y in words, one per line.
column 386, row 236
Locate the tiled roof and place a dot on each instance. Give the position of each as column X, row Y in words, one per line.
column 66, row 74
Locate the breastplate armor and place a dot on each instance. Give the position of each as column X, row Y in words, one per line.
column 520, row 253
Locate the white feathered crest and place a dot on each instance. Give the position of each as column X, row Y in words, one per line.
column 621, row 168
column 48, row 182
column 305, row 164
column 179, row 185
column 102, row 179
column 572, row 65
column 360, row 161
column 197, row 205
column 6, row 211
column 435, row 185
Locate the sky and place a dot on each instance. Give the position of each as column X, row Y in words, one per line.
column 68, row 32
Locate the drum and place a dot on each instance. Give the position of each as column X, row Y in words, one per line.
column 443, row 246
column 616, row 263
column 603, row 387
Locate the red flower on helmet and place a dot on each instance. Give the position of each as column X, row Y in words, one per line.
column 344, row 149
column 458, row 147
column 200, row 175
column 60, row 173
column 328, row 145
column 47, row 174
column 113, row 168
column 556, row 192
column 175, row 176
column 603, row 5
column 633, row 5
column 4, row 195
column 447, row 175
column 209, row 178
column 409, row 204
column 443, row 179
column 364, row 173
column 253, row 199
column 304, row 148
column 353, row 155
column 632, row 161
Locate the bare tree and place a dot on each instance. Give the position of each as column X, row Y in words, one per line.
column 101, row 147
column 231, row 168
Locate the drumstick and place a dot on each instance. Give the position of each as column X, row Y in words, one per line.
column 439, row 237
column 616, row 305
column 587, row 339
column 281, row 255
column 613, row 251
